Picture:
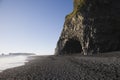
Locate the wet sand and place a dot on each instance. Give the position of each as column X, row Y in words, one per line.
column 74, row 67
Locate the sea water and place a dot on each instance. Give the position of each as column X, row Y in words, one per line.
column 7, row 62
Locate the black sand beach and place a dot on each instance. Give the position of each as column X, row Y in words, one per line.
column 75, row 67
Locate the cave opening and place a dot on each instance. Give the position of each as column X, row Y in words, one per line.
column 72, row 46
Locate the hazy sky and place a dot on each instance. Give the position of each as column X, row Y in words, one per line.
column 32, row 25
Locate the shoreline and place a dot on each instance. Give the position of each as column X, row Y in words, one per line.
column 10, row 64
column 66, row 68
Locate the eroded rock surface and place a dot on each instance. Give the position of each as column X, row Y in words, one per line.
column 92, row 27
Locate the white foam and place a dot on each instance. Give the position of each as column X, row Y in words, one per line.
column 7, row 62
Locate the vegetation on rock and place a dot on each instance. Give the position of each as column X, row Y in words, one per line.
column 77, row 5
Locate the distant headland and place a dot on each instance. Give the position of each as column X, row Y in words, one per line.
column 13, row 54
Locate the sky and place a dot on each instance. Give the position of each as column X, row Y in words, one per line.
column 32, row 26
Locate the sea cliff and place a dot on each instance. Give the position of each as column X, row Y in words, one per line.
column 93, row 27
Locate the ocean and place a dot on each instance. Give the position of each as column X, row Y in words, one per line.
column 7, row 62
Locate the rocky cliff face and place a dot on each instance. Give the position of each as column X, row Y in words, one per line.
column 92, row 27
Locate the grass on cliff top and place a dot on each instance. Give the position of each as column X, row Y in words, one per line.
column 77, row 5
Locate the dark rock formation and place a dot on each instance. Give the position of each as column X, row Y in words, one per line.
column 92, row 27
